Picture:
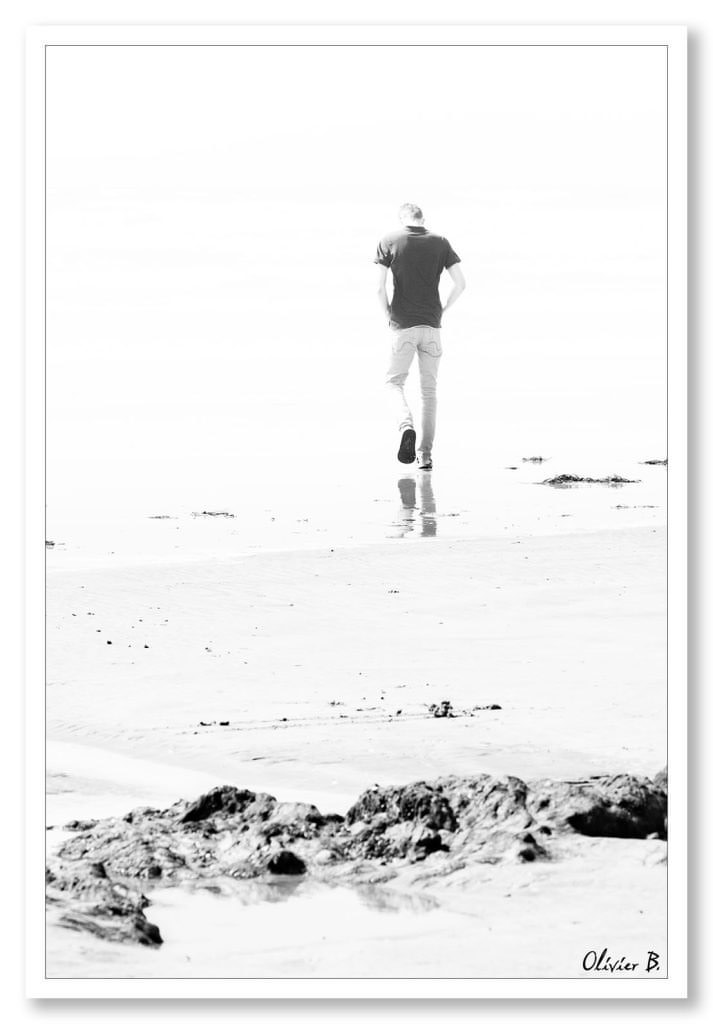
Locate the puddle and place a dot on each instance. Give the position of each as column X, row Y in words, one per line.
column 273, row 930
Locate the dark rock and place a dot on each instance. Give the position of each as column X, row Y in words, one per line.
column 430, row 842
column 91, row 882
column 286, row 863
column 135, row 928
column 529, row 851
column 336, row 819
column 222, row 800
column 140, row 813
column 623, row 806
column 419, row 801
column 661, row 783
column 479, row 814
column 80, row 826
column 96, row 877
column 484, row 801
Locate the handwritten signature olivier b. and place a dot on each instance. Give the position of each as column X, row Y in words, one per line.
column 602, row 962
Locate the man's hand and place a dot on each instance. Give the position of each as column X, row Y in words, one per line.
column 458, row 285
column 382, row 297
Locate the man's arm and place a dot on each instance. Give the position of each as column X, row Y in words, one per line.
column 458, row 285
column 381, row 292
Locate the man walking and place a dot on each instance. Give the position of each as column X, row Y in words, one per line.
column 417, row 258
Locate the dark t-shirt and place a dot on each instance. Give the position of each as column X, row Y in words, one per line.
column 417, row 259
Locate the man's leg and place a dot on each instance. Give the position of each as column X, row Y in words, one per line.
column 403, row 347
column 429, row 358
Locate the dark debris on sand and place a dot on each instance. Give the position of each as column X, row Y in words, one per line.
column 97, row 879
column 444, row 709
column 567, row 479
column 225, row 515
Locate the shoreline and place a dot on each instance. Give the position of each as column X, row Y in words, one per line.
column 95, row 782
column 103, row 563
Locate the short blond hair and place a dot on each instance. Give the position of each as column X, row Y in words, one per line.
column 411, row 211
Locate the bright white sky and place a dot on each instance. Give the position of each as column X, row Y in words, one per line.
column 213, row 214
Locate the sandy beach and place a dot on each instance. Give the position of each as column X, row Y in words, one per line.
column 323, row 664
column 313, row 674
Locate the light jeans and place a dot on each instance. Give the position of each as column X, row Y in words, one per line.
column 406, row 343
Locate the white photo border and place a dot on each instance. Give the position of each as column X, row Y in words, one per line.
column 674, row 38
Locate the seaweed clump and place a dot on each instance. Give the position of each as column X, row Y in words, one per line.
column 569, row 479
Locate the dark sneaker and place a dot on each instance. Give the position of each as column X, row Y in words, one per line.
column 407, row 448
column 425, row 462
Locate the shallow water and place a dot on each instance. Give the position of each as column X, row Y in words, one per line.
column 309, row 929
column 530, row 921
column 264, row 930
column 271, row 928
column 306, row 506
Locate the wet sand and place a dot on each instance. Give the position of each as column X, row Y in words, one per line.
column 508, row 921
column 324, row 663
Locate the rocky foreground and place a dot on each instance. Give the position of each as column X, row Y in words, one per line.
column 98, row 880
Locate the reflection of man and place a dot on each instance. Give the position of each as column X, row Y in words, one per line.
column 407, row 492
column 428, row 508
column 417, row 259
column 407, row 516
